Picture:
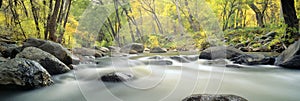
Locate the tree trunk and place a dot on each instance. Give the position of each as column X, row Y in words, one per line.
column 258, row 14
column 46, row 32
column 36, row 19
column 53, row 21
column 290, row 18
column 66, row 16
column 0, row 3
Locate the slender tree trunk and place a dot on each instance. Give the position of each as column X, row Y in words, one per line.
column 66, row 16
column 35, row 17
column 179, row 18
column 47, row 28
column 16, row 17
column 0, row 3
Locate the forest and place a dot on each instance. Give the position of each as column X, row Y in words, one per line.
column 172, row 24
column 149, row 50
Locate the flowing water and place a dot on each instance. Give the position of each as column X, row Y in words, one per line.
column 165, row 82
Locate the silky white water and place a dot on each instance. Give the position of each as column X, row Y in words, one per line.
column 165, row 83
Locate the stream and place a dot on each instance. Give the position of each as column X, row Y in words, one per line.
column 165, row 82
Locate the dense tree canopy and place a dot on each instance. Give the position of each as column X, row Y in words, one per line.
column 165, row 23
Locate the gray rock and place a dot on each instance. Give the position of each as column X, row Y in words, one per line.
column 191, row 58
column 133, row 46
column 88, row 52
column 158, row 62
column 117, row 77
column 104, row 49
column 48, row 61
column 290, row 57
column 133, row 52
column 53, row 48
column 254, row 59
column 2, row 59
column 216, row 62
column 180, row 59
column 12, row 52
column 156, row 57
column 114, row 49
column 212, row 97
column 158, row 50
column 23, row 73
column 220, row 52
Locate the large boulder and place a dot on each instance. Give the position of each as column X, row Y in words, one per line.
column 290, row 57
column 158, row 50
column 212, row 97
column 220, row 52
column 48, row 61
column 23, row 73
column 53, row 48
column 133, row 46
column 88, row 52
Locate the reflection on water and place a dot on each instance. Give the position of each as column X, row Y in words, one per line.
column 165, row 82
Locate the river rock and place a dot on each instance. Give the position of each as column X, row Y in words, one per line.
column 133, row 52
column 220, row 52
column 180, row 59
column 213, row 97
column 12, row 52
column 216, row 62
column 158, row 50
column 2, row 60
column 88, row 52
column 104, row 49
column 254, row 59
column 23, row 73
column 117, row 77
column 53, row 48
column 158, row 62
column 290, row 57
column 114, row 49
column 47, row 60
column 191, row 58
column 156, row 57
column 133, row 46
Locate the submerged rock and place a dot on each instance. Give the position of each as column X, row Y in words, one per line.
column 254, row 59
column 180, row 59
column 158, row 62
column 48, row 61
column 217, row 62
column 53, row 48
column 220, row 52
column 212, row 97
column 23, row 73
column 158, row 50
column 156, row 57
column 191, row 58
column 117, row 77
column 290, row 58
column 138, row 47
